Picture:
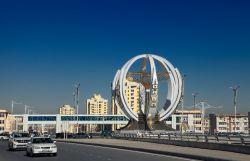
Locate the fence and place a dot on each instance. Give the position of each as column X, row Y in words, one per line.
column 236, row 140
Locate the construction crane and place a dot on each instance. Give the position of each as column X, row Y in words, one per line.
column 204, row 106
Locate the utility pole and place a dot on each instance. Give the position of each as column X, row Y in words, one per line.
column 194, row 95
column 235, row 92
column 182, row 105
column 77, row 103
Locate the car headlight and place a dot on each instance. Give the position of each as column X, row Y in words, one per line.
column 53, row 147
column 37, row 147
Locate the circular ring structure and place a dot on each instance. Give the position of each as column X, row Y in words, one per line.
column 150, row 88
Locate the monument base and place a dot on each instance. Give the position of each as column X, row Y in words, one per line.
column 147, row 124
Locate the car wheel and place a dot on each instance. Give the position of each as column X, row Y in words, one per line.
column 55, row 154
column 31, row 154
column 27, row 153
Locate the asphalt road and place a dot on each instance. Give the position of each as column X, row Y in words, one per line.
column 76, row 152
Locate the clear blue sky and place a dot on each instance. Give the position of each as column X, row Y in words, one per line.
column 48, row 46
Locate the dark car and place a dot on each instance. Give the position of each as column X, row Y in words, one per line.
column 82, row 135
column 106, row 133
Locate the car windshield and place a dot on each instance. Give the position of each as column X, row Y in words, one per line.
column 41, row 140
column 21, row 135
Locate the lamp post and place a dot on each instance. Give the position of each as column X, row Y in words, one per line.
column 235, row 92
column 77, row 103
column 182, row 103
column 194, row 95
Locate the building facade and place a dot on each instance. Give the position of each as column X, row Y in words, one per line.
column 3, row 116
column 10, row 123
column 96, row 105
column 132, row 90
column 192, row 121
column 223, row 123
column 66, row 110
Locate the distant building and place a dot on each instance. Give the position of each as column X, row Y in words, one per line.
column 249, row 122
column 96, row 105
column 66, row 110
column 3, row 116
column 192, row 120
column 226, row 123
column 10, row 123
column 132, row 95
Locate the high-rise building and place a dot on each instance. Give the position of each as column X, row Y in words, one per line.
column 10, row 123
column 3, row 116
column 66, row 110
column 96, row 105
column 132, row 90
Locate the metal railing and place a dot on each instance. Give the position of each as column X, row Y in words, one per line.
column 236, row 140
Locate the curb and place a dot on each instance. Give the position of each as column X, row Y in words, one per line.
column 189, row 156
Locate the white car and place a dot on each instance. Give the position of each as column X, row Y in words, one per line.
column 41, row 145
column 3, row 137
column 18, row 141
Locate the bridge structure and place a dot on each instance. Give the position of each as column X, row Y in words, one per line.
column 61, row 122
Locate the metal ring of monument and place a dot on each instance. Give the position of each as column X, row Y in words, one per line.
column 148, row 87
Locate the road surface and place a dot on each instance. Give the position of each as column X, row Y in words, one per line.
column 78, row 152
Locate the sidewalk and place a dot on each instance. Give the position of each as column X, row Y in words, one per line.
column 186, row 152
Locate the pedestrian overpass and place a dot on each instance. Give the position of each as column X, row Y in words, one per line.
column 62, row 122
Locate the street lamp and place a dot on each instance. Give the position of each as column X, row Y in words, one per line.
column 235, row 92
column 194, row 95
column 77, row 102
column 74, row 94
column 182, row 104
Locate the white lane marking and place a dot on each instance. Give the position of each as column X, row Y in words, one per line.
column 153, row 154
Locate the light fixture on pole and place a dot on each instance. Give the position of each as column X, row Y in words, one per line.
column 182, row 102
column 77, row 86
column 194, row 95
column 235, row 92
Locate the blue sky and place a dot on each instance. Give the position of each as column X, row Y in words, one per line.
column 48, row 46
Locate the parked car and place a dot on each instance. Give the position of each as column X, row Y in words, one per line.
column 63, row 135
column 41, row 145
column 82, row 135
column 18, row 141
column 106, row 133
column 4, row 136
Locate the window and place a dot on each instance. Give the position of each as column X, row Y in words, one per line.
column 42, row 118
column 222, row 123
column 197, row 115
column 197, row 122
